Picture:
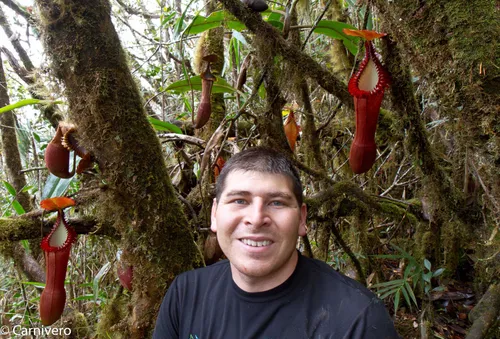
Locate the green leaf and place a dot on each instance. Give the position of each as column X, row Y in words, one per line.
column 164, row 126
column 235, row 25
column 18, row 208
column 85, row 297
column 427, row 264
column 384, row 291
column 438, row 289
column 427, row 276
column 238, row 36
column 410, row 292
column 389, row 283
column 180, row 22
column 438, row 272
column 55, row 187
column 333, row 29
column 406, row 296
column 391, row 292
column 214, row 20
column 396, row 301
column 36, row 136
column 277, row 24
column 97, row 279
column 167, row 18
column 201, row 23
column 26, row 102
column 10, row 188
column 220, row 85
column 34, row 283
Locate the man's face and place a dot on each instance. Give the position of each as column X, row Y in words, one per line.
column 257, row 222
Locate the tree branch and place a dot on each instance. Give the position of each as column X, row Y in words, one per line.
column 17, row 8
column 32, row 226
column 133, row 11
column 290, row 53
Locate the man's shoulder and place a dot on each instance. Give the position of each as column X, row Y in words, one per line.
column 326, row 276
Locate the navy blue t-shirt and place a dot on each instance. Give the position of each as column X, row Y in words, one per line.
column 314, row 302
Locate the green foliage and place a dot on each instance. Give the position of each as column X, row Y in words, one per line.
column 216, row 19
column 333, row 29
column 12, row 202
column 414, row 275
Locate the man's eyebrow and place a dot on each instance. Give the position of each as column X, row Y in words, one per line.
column 279, row 195
column 276, row 194
column 238, row 193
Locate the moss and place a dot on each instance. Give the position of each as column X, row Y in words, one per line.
column 113, row 321
column 107, row 107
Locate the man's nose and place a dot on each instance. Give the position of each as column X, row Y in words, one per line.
column 257, row 215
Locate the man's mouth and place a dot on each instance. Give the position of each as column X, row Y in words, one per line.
column 256, row 243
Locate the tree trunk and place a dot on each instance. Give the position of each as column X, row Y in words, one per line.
column 105, row 104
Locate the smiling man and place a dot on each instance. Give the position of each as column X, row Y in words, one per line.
column 266, row 288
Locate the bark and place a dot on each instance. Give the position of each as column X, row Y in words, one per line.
column 105, row 104
column 485, row 314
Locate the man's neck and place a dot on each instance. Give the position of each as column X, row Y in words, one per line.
column 252, row 284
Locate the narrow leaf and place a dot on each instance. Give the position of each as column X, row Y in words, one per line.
column 55, row 187
column 391, row 292
column 438, row 272
column 10, row 188
column 389, row 283
column 26, row 102
column 18, row 208
column 396, row 301
column 410, row 292
column 427, row 264
column 97, row 279
column 34, row 283
column 427, row 276
column 164, row 126
column 406, row 296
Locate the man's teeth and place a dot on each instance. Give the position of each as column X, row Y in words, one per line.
column 256, row 243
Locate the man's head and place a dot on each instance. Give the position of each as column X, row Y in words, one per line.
column 264, row 160
column 258, row 215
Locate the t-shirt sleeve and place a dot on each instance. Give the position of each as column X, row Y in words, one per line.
column 373, row 323
column 167, row 323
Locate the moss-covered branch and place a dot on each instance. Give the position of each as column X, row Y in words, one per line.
column 31, row 226
column 290, row 53
column 350, row 191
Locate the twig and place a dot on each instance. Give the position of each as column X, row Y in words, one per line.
column 316, row 24
column 329, row 119
column 184, row 138
column 133, row 11
column 349, row 252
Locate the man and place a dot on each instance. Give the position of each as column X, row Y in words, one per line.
column 266, row 289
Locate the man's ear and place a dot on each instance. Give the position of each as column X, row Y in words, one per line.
column 303, row 218
column 213, row 222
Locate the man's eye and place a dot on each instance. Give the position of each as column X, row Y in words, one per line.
column 277, row 203
column 239, row 201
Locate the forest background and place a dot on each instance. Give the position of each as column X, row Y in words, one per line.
column 420, row 228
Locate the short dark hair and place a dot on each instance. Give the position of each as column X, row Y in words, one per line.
column 260, row 159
